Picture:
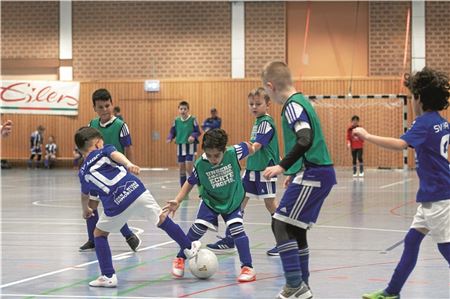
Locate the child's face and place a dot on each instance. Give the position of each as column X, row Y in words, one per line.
column 214, row 155
column 355, row 122
column 257, row 105
column 183, row 110
column 50, row 139
column 104, row 110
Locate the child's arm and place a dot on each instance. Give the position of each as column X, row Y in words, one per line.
column 195, row 132
column 120, row 158
column 349, row 138
column 172, row 205
column 87, row 211
column 129, row 152
column 390, row 143
column 172, row 133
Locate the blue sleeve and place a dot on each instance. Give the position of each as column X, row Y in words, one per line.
column 84, row 184
column 108, row 150
column 264, row 133
column 294, row 113
column 196, row 131
column 173, row 132
column 219, row 123
column 125, row 137
column 241, row 150
column 193, row 178
column 416, row 135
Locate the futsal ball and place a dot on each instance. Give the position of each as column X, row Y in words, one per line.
column 204, row 264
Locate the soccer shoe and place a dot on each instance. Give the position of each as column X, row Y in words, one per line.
column 88, row 246
column 247, row 274
column 301, row 292
column 361, row 174
column 104, row 282
column 355, row 174
column 273, row 252
column 178, row 267
column 134, row 242
column 380, row 295
column 195, row 247
column 223, row 246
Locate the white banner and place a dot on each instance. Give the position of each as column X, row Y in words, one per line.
column 39, row 97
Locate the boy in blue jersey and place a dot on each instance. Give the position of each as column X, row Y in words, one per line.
column 305, row 149
column 185, row 131
column 264, row 139
column 36, row 141
column 217, row 174
column 429, row 136
column 109, row 174
column 114, row 132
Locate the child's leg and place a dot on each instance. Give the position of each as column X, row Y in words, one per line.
column 182, row 166
column 189, row 167
column 300, row 235
column 174, row 231
column 444, row 249
column 360, row 160
column 38, row 160
column 407, row 262
column 271, row 205
column 30, row 161
column 91, row 222
column 354, row 160
column 103, row 252
column 242, row 243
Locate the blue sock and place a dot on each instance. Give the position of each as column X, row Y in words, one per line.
column 242, row 244
column 46, row 163
column 91, row 222
column 228, row 238
column 176, row 233
column 291, row 263
column 196, row 231
column 304, row 263
column 104, row 256
column 126, row 231
column 407, row 262
column 182, row 180
column 444, row 249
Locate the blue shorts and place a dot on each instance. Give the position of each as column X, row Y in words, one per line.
column 209, row 218
column 257, row 186
column 303, row 199
column 36, row 150
column 186, row 152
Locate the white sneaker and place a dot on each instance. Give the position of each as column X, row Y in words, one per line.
column 361, row 174
column 104, row 282
column 195, row 247
column 355, row 174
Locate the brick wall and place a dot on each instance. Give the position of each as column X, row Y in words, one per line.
column 135, row 40
column 387, row 29
column 30, row 29
column 437, row 35
column 265, row 35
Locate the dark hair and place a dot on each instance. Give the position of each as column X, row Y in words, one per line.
column 431, row 87
column 355, row 117
column 117, row 109
column 101, row 95
column 40, row 128
column 84, row 135
column 215, row 139
column 183, row 103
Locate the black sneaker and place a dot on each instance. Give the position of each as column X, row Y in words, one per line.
column 134, row 242
column 88, row 246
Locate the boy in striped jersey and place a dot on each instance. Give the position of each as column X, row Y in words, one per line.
column 185, row 131
column 264, row 139
column 306, row 191
column 50, row 152
column 114, row 132
column 36, row 140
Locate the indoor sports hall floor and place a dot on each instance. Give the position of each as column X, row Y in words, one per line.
column 354, row 247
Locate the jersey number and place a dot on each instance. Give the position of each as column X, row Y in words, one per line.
column 100, row 180
column 444, row 145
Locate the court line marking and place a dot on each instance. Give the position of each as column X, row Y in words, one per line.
column 396, row 183
column 87, row 296
column 77, row 266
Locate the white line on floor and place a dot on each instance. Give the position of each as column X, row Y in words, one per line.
column 396, row 183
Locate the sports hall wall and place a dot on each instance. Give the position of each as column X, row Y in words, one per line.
column 187, row 45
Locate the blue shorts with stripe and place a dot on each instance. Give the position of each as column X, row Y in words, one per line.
column 186, row 152
column 303, row 199
column 256, row 186
column 209, row 218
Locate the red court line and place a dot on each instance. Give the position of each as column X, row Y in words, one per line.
column 393, row 212
column 271, row 277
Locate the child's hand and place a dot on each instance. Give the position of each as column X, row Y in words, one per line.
column 168, row 140
column 191, row 139
column 171, row 206
column 87, row 213
column 272, row 171
column 360, row 132
column 134, row 169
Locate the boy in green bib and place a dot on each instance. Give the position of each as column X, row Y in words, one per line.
column 217, row 175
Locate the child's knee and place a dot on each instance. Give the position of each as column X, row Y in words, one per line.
column 100, row 233
column 93, row 204
column 271, row 204
column 237, row 230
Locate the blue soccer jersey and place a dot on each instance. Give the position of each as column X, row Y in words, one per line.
column 116, row 187
column 429, row 136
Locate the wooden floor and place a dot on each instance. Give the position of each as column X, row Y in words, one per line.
column 354, row 247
